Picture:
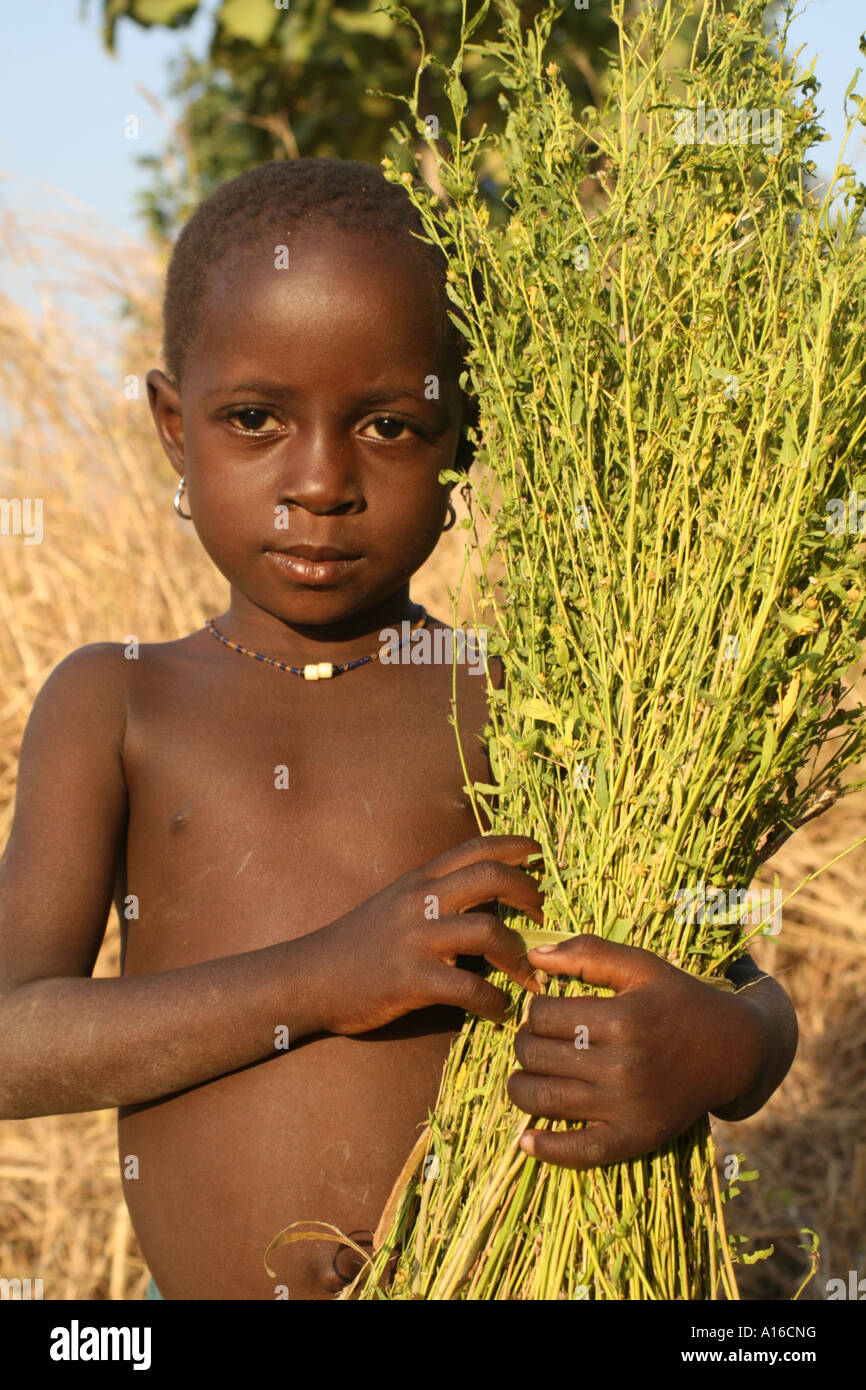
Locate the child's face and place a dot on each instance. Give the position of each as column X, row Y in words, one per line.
column 318, row 405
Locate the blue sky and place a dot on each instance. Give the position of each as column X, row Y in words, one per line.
column 64, row 100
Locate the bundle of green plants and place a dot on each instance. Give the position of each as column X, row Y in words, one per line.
column 672, row 395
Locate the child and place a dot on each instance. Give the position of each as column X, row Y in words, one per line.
column 272, row 840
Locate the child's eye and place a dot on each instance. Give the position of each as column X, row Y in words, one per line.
column 251, row 419
column 388, row 426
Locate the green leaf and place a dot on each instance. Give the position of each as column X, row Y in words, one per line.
column 850, row 88
column 534, row 708
column 769, row 748
column 161, row 11
column 797, row 622
column 457, row 95
column 379, row 24
column 591, row 1210
column 562, row 653
column 602, row 795
column 750, row 1259
column 479, row 18
column 253, row 20
column 621, row 930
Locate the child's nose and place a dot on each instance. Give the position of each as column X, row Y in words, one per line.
column 318, row 472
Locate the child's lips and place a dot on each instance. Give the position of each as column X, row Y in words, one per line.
column 317, row 552
column 318, row 566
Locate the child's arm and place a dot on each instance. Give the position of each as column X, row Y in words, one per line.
column 643, row 1065
column 69, row 1042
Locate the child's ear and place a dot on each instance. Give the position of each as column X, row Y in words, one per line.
column 465, row 455
column 164, row 399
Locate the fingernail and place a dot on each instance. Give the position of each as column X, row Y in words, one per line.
column 542, row 977
column 540, row 950
column 527, row 1143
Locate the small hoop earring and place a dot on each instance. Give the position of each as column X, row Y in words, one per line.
column 452, row 517
column 187, row 516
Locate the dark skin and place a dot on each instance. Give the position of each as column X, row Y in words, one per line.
column 262, row 908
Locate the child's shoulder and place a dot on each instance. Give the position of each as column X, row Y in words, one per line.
column 122, row 656
column 99, row 692
column 106, row 671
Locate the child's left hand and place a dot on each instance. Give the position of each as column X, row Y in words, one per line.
column 641, row 1066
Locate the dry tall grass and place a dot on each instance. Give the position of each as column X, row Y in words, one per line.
column 116, row 561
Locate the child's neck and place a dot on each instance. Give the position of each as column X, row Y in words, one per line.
column 299, row 643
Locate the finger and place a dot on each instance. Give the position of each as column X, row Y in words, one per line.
column 508, row 849
column 608, row 964
column 482, row 934
column 491, row 881
column 554, row 1097
column 594, row 1146
column 471, row 993
column 553, row 1057
column 585, row 1019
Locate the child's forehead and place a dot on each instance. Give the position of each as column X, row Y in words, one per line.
column 320, row 252
column 337, row 303
column 331, row 282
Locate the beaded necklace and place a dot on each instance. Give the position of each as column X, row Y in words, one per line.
column 317, row 670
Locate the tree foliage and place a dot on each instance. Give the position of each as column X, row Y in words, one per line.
column 315, row 77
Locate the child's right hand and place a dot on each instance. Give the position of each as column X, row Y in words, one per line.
column 390, row 955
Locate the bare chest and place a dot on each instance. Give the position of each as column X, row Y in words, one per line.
column 260, row 810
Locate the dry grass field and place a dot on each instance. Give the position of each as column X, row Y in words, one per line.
column 116, row 561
